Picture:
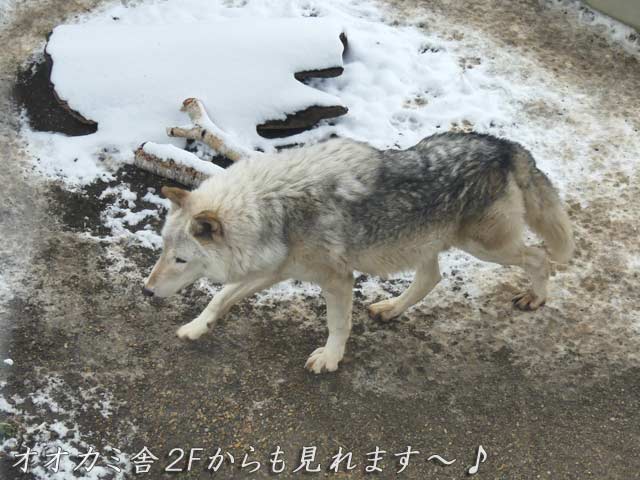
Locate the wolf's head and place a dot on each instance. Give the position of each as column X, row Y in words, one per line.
column 194, row 246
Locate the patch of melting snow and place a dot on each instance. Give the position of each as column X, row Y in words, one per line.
column 6, row 407
column 6, row 7
column 286, row 291
column 122, row 214
column 5, row 290
column 47, row 425
column 99, row 400
column 151, row 197
column 616, row 32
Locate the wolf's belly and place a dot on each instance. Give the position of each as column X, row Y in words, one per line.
column 400, row 255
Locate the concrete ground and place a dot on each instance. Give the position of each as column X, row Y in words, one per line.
column 553, row 394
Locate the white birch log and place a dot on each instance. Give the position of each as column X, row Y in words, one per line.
column 204, row 130
column 174, row 163
column 184, row 167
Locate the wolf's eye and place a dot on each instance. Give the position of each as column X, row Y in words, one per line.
column 180, row 260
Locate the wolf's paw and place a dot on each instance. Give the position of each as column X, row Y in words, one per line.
column 528, row 301
column 384, row 310
column 192, row 330
column 323, row 359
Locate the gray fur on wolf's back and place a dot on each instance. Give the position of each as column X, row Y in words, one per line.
column 445, row 177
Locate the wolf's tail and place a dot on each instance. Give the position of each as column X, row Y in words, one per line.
column 544, row 211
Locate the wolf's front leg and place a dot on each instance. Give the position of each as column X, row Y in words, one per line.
column 221, row 303
column 338, row 293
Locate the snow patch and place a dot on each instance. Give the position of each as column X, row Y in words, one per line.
column 6, row 11
column 54, row 399
column 244, row 79
column 151, row 197
column 120, row 216
column 6, row 407
column 287, row 291
column 612, row 30
column 59, row 428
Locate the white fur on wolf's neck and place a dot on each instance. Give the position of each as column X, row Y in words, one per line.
column 241, row 193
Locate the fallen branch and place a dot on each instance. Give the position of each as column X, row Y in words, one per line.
column 174, row 163
column 184, row 167
column 204, row 130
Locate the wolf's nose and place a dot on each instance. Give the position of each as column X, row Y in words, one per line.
column 146, row 292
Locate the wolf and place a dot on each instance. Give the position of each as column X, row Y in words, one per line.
column 318, row 213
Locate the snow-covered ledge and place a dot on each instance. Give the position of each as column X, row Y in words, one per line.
column 246, row 71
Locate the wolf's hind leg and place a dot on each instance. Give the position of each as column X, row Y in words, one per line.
column 426, row 278
column 498, row 237
column 532, row 259
column 220, row 305
column 338, row 293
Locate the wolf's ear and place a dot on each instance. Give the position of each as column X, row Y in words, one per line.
column 177, row 196
column 206, row 226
